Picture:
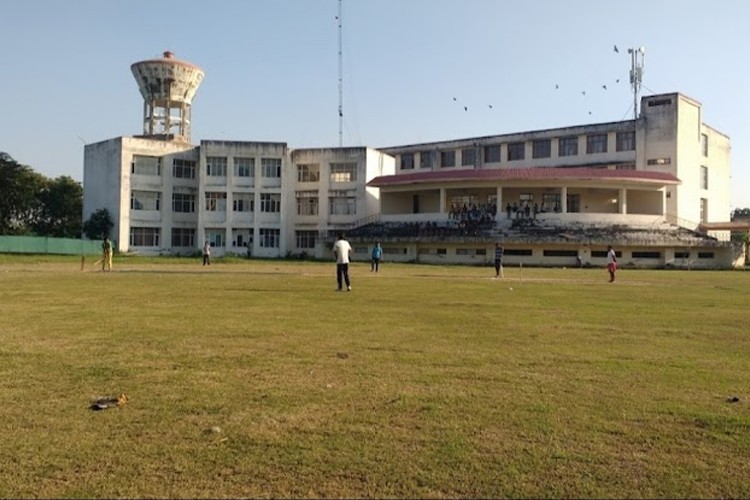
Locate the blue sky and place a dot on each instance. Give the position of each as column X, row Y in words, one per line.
column 272, row 69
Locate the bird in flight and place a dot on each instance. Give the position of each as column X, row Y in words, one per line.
column 616, row 49
column 604, row 87
column 466, row 108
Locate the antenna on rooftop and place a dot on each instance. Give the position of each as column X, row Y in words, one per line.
column 341, row 84
column 637, row 59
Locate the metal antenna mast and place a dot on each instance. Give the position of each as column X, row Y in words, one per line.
column 341, row 85
column 637, row 57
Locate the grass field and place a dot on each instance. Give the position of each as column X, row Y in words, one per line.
column 257, row 379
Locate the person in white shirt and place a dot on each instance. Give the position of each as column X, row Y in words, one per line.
column 342, row 251
column 611, row 263
column 206, row 253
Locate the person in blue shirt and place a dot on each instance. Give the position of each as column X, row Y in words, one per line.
column 377, row 254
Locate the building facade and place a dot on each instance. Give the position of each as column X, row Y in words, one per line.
column 553, row 197
column 245, row 198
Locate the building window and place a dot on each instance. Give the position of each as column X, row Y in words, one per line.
column 519, row 252
column 596, row 143
column 447, row 159
column 625, row 141
column 471, row 251
column 705, row 255
column 567, row 146
column 492, row 154
column 682, row 255
column 145, row 200
column 343, row 172
column 407, row 161
column 183, row 203
column 425, row 159
column 242, row 237
column 269, row 238
column 270, row 168
column 516, row 151
column 704, row 144
column 541, row 148
column 216, row 166
column 308, row 173
column 216, row 202
column 244, row 167
column 183, row 169
column 659, row 102
column 646, row 255
column 704, row 177
column 146, row 165
column 183, row 237
column 144, row 236
column 305, row 239
column 243, row 202
column 307, row 203
column 270, row 203
column 560, row 253
column 658, row 161
column 468, row 157
column 215, row 237
column 342, row 205
column 704, row 210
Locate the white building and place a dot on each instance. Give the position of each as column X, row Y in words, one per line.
column 644, row 185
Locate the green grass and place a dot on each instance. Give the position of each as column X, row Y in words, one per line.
column 425, row 381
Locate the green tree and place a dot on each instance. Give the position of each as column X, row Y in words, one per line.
column 60, row 206
column 98, row 225
column 19, row 186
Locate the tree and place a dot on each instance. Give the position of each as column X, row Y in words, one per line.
column 741, row 213
column 99, row 225
column 19, row 185
column 60, row 206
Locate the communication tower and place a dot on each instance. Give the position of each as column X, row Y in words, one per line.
column 168, row 87
column 637, row 59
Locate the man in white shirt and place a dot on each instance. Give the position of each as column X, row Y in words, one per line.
column 611, row 263
column 342, row 251
column 206, row 253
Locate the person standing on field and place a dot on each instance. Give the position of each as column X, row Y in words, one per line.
column 207, row 253
column 106, row 254
column 342, row 252
column 499, row 250
column 611, row 263
column 377, row 254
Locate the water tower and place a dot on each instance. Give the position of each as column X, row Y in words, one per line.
column 167, row 86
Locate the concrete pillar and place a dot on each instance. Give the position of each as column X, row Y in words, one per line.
column 443, row 202
column 500, row 204
column 623, row 199
column 564, row 200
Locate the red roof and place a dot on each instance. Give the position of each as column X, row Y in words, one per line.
column 524, row 174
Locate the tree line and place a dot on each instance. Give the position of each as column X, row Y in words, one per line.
column 34, row 205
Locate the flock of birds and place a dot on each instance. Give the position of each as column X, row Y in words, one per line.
column 557, row 87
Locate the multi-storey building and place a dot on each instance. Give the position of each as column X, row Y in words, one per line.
column 553, row 197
